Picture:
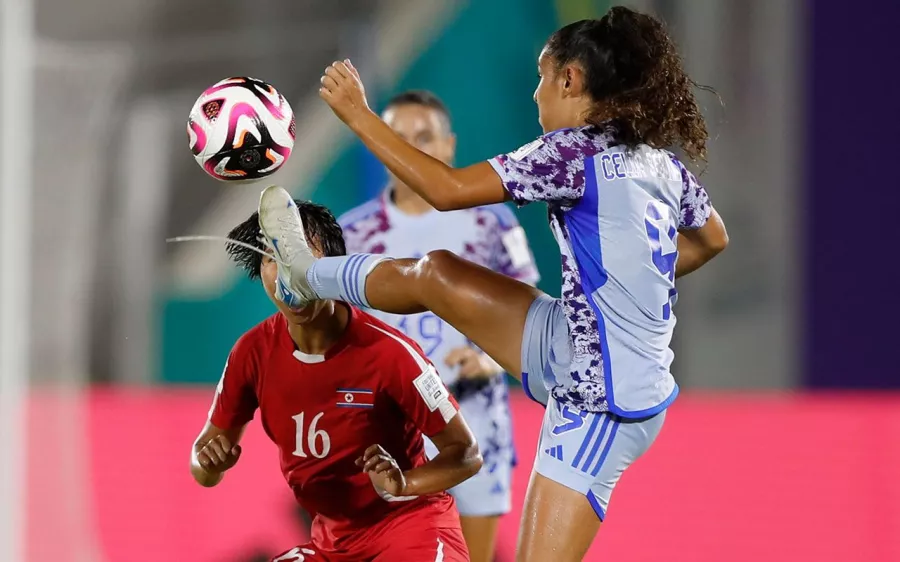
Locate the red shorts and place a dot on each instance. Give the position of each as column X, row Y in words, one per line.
column 404, row 545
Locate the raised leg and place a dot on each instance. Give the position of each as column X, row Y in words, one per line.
column 489, row 308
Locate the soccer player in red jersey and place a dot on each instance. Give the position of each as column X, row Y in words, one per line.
column 346, row 399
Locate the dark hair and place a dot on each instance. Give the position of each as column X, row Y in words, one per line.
column 423, row 98
column 322, row 230
column 635, row 74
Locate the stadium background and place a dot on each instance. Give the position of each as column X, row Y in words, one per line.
column 111, row 342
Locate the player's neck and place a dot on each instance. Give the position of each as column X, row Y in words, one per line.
column 408, row 201
column 319, row 334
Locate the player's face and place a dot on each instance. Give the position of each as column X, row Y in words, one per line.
column 424, row 128
column 549, row 95
column 269, row 272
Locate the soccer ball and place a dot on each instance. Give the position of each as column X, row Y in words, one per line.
column 241, row 129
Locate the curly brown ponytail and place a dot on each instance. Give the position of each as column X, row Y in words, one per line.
column 637, row 78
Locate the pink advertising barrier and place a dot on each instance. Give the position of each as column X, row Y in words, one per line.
column 732, row 478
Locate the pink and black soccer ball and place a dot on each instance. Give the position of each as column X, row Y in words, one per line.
column 241, row 129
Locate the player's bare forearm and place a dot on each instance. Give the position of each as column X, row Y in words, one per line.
column 454, row 464
column 445, row 188
column 691, row 257
column 458, row 459
column 214, row 451
column 697, row 247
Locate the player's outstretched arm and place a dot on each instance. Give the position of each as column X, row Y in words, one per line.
column 698, row 246
column 444, row 187
column 458, row 459
column 215, row 450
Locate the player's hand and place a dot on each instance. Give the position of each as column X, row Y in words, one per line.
column 343, row 90
column 472, row 363
column 382, row 470
column 218, row 455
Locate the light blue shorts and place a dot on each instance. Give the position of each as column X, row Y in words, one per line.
column 488, row 493
column 546, row 348
column 586, row 452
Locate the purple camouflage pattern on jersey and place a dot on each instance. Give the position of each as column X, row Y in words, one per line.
column 695, row 205
column 551, row 169
column 365, row 227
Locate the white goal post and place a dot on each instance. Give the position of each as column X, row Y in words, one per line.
column 16, row 95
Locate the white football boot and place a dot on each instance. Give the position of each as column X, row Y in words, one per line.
column 280, row 224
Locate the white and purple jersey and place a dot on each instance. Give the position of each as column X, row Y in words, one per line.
column 615, row 214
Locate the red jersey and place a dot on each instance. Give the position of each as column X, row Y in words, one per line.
column 373, row 386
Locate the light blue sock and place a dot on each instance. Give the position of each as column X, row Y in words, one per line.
column 343, row 277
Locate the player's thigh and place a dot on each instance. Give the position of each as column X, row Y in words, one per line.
column 546, row 352
column 489, row 308
column 480, row 533
column 558, row 523
column 303, row 553
column 442, row 544
column 580, row 459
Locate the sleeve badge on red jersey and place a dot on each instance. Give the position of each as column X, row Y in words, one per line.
column 431, row 389
column 355, row 398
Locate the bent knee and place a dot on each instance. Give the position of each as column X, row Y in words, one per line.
column 437, row 263
column 439, row 258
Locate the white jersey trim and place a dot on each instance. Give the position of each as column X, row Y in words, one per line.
column 420, row 361
column 219, row 388
column 428, row 384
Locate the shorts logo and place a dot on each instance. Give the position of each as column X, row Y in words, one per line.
column 574, row 419
column 555, row 452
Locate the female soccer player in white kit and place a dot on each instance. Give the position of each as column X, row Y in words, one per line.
column 400, row 223
column 629, row 218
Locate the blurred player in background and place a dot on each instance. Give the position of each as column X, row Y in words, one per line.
column 629, row 218
column 400, row 223
column 346, row 399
